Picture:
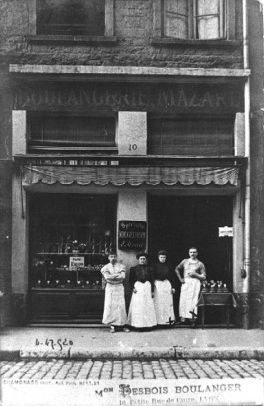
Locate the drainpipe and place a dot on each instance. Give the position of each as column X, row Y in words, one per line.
column 246, row 259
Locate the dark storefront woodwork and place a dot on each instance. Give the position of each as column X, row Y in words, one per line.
column 184, row 222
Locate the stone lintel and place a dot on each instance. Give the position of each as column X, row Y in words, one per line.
column 125, row 70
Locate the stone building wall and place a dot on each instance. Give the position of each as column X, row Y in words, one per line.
column 133, row 27
column 257, row 164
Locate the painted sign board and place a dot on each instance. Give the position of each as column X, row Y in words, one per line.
column 225, row 231
column 169, row 98
column 132, row 235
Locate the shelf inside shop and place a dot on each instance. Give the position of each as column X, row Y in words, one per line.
column 71, row 253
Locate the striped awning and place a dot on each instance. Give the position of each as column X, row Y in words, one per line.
column 134, row 176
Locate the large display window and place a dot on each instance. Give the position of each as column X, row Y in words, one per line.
column 70, row 237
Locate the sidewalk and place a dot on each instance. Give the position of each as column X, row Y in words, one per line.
column 98, row 343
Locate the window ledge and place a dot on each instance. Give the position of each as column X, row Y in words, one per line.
column 72, row 148
column 72, row 39
column 162, row 41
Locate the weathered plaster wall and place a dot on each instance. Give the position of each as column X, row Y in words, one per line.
column 5, row 197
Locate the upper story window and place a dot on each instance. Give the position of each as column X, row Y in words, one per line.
column 71, row 17
column 60, row 132
column 194, row 19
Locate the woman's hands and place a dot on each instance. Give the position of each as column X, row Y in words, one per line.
column 134, row 290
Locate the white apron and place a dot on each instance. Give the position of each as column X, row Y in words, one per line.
column 114, row 305
column 189, row 297
column 163, row 302
column 141, row 310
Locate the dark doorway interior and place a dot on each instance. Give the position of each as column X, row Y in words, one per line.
column 177, row 223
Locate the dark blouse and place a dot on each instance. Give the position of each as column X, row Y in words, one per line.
column 162, row 272
column 141, row 273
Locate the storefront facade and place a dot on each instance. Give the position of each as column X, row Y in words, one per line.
column 165, row 172
column 129, row 131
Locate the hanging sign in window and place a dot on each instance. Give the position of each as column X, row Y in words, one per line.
column 76, row 262
column 225, row 231
column 132, row 235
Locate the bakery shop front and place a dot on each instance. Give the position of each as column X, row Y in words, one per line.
column 103, row 166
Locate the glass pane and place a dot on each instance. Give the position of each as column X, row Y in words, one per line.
column 208, row 28
column 176, row 18
column 207, row 7
column 208, row 19
column 65, row 226
column 71, row 17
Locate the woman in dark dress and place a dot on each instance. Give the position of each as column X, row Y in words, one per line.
column 141, row 312
column 164, row 289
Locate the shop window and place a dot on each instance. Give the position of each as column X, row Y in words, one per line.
column 70, row 238
column 194, row 19
column 190, row 137
column 66, row 132
column 71, row 17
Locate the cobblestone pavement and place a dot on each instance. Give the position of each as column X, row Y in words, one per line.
column 131, row 369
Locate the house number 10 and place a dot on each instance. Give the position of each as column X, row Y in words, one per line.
column 132, row 147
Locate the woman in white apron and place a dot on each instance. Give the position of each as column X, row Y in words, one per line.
column 163, row 291
column 141, row 314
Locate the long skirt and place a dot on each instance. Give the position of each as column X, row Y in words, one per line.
column 189, row 297
column 163, row 302
column 114, row 305
column 141, row 310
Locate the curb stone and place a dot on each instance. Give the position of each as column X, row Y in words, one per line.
column 140, row 353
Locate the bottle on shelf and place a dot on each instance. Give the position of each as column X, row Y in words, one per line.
column 225, row 289
column 213, row 286
column 205, row 287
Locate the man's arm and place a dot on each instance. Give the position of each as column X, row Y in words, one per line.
column 177, row 271
column 202, row 275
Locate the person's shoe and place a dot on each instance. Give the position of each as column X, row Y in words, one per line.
column 177, row 322
column 126, row 330
column 112, row 329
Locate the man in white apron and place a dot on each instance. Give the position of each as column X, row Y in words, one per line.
column 193, row 272
column 114, row 305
